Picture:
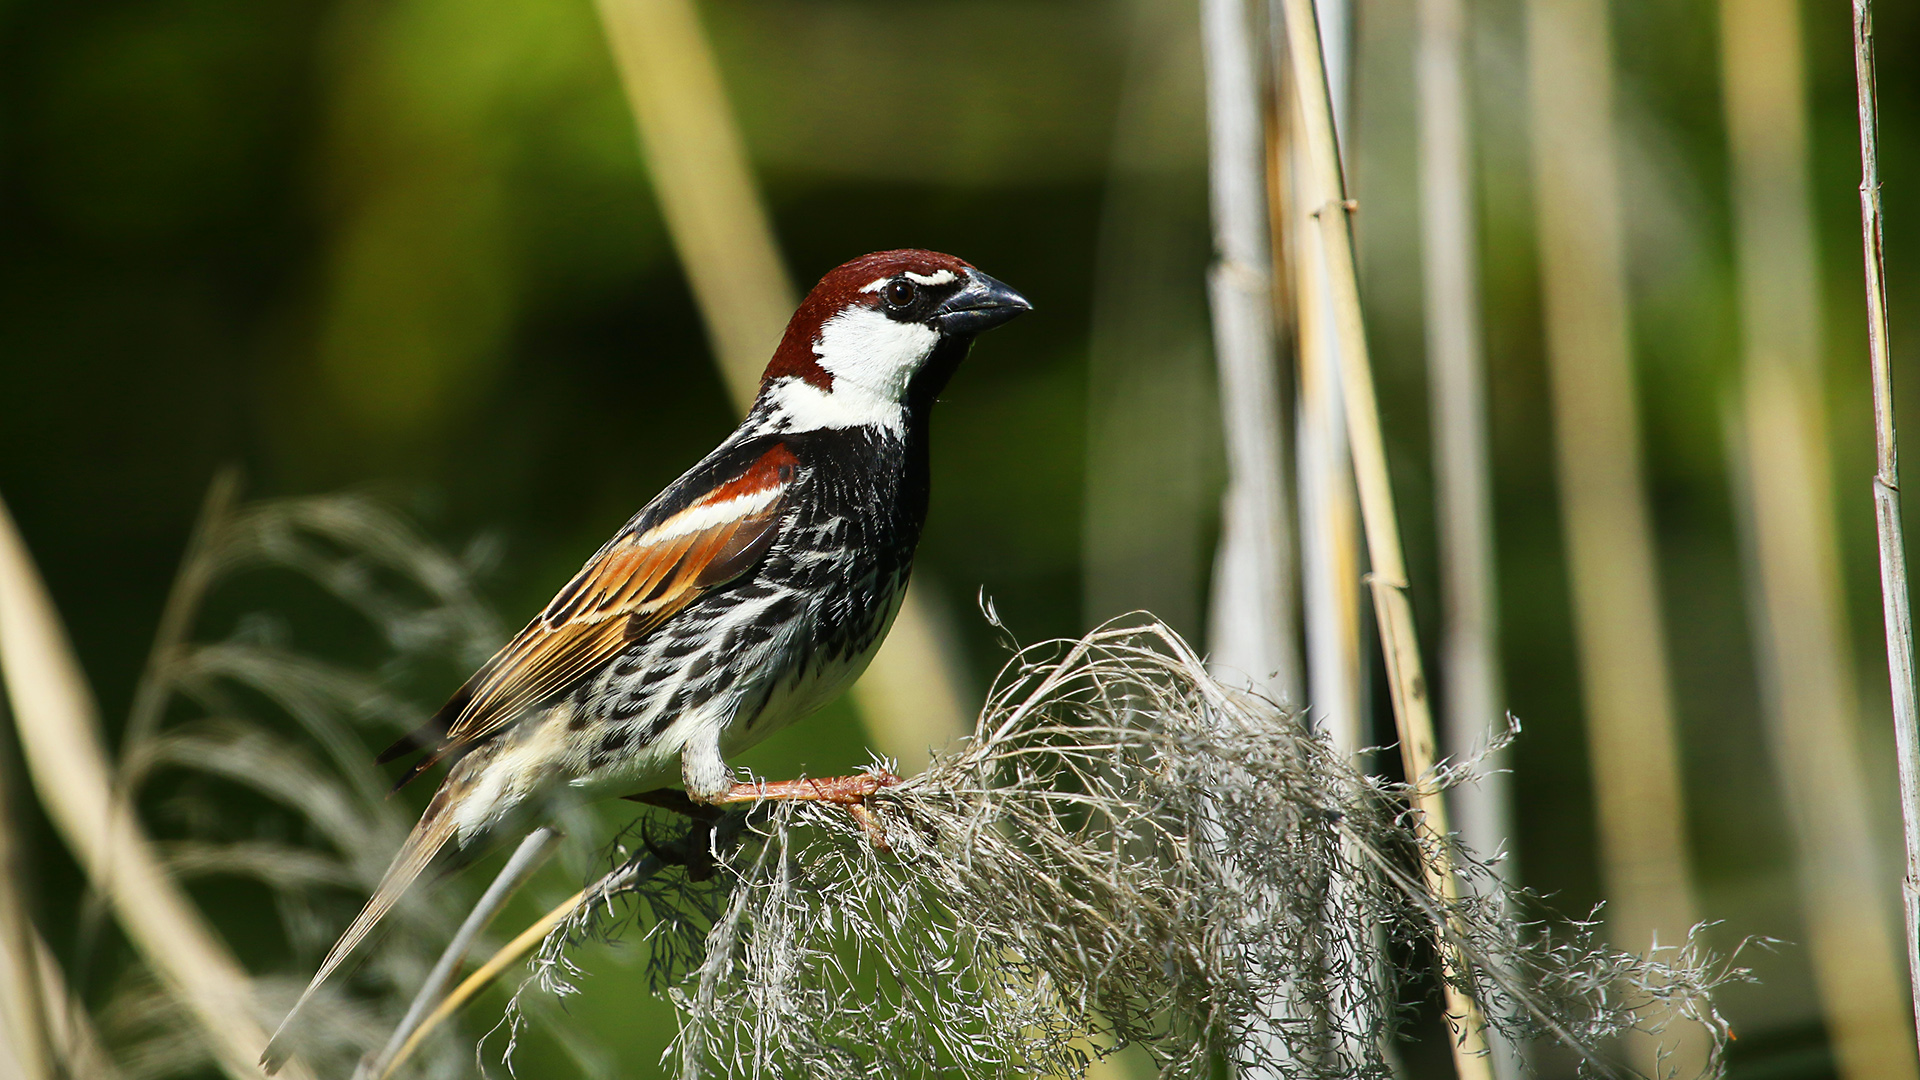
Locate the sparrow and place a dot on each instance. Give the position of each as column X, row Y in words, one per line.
column 749, row 593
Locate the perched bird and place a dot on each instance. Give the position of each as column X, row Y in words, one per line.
column 749, row 593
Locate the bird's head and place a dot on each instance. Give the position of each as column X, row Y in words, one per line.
column 878, row 338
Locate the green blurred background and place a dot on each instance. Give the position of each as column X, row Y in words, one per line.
column 409, row 246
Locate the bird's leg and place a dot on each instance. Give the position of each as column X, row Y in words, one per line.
column 851, row 792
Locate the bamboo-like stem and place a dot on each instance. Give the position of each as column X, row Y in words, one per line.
column 59, row 736
column 1250, row 636
column 1793, row 564
column 1633, row 744
column 526, row 859
column 1388, row 579
column 1250, row 633
column 1886, row 486
column 911, row 694
column 1462, row 469
column 1331, row 568
column 1329, row 530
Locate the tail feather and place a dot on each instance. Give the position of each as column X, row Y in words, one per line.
column 428, row 837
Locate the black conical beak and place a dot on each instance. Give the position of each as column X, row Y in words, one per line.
column 982, row 305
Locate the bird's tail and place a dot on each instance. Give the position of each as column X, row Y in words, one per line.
column 436, row 827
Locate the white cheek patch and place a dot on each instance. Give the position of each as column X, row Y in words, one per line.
column 870, row 360
column 863, row 346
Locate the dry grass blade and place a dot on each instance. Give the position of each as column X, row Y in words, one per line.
column 482, row 977
column 1115, row 857
column 59, row 734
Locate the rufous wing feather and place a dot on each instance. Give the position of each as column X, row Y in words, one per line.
column 633, row 585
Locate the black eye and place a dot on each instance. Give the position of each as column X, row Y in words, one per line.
column 900, row 293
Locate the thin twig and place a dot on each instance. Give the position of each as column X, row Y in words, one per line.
column 1411, row 711
column 1886, row 485
column 1796, row 595
column 526, row 859
column 509, row 953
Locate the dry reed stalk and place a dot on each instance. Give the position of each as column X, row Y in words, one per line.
column 470, row 987
column 1250, row 632
column 1328, row 522
column 1805, row 657
column 911, row 695
column 1631, row 736
column 1463, row 468
column 1330, row 568
column 1886, row 485
column 1388, row 577
column 1328, row 526
column 59, row 735
column 1462, row 464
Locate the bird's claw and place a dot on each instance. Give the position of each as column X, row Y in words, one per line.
column 692, row 851
column 851, row 792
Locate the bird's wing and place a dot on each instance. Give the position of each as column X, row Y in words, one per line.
column 638, row 581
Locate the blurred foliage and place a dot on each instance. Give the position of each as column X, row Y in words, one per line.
column 409, row 246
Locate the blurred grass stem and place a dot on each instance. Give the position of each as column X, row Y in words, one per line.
column 1633, row 744
column 911, row 694
column 1462, row 465
column 26, row 1050
column 1886, row 485
column 1388, row 579
column 59, row 736
column 1793, row 564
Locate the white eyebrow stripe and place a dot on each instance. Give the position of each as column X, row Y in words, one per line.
column 938, row 277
